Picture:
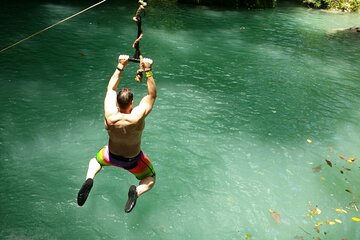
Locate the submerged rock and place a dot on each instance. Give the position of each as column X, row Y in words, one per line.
column 348, row 30
column 352, row 32
column 353, row 29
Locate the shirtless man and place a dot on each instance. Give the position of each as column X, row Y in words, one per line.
column 125, row 125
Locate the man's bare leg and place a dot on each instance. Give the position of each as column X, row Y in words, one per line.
column 134, row 192
column 94, row 168
column 145, row 185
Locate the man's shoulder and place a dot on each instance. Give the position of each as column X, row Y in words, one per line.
column 138, row 110
column 116, row 119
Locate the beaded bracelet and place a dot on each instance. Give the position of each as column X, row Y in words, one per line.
column 148, row 74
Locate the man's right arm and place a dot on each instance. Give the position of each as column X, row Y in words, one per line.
column 110, row 105
column 148, row 101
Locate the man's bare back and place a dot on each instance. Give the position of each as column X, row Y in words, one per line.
column 125, row 141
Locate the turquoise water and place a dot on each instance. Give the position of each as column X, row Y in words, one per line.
column 250, row 105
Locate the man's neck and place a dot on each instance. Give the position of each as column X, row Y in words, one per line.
column 125, row 111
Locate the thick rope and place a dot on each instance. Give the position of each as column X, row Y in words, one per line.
column 137, row 55
column 51, row 26
column 136, row 43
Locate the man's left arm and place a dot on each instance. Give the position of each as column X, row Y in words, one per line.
column 147, row 103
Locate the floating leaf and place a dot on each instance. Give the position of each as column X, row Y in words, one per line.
column 313, row 212
column 276, row 216
column 342, row 157
column 318, row 224
column 345, row 169
column 339, row 210
column 316, row 211
column 351, row 159
column 348, row 190
column 309, row 141
column 330, row 222
column 338, row 221
column 353, row 204
column 316, row 169
column 328, row 162
column 248, row 236
column 317, row 229
column 355, row 219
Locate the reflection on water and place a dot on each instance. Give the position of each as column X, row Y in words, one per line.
column 250, row 105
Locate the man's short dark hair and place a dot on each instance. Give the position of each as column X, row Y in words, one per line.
column 124, row 98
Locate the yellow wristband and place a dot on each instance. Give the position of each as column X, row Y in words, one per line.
column 148, row 74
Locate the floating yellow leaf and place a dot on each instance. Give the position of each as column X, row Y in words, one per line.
column 318, row 224
column 330, row 222
column 247, row 236
column 313, row 212
column 340, row 210
column 309, row 141
column 355, row 219
column 351, row 159
column 338, row 221
column 276, row 216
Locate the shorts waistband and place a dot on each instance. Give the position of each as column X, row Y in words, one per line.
column 123, row 159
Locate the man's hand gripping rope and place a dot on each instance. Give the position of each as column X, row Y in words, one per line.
column 144, row 65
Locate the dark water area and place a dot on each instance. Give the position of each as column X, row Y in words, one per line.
column 250, row 106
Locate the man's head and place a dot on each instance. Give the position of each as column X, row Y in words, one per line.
column 125, row 99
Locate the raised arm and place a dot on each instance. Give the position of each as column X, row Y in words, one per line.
column 110, row 106
column 147, row 103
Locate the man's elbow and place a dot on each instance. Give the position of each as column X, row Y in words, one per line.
column 152, row 95
column 110, row 89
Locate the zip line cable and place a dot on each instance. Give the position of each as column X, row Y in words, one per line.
column 51, row 26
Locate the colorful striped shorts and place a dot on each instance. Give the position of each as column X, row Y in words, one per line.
column 139, row 165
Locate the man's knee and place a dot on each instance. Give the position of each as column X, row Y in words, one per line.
column 93, row 163
column 150, row 181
